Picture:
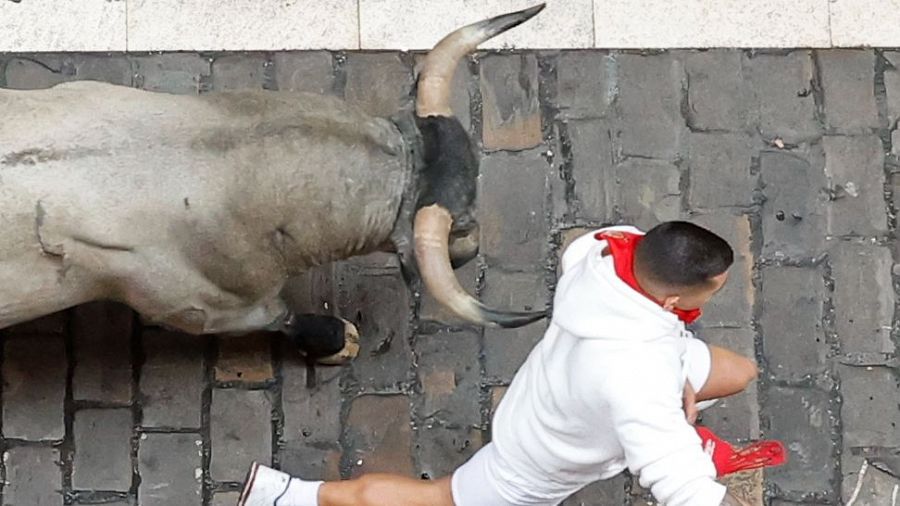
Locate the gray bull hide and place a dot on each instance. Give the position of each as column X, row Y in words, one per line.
column 195, row 210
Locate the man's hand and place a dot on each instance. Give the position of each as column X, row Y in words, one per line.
column 731, row 500
column 690, row 403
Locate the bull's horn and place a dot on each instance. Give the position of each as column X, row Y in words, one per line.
column 437, row 71
column 431, row 231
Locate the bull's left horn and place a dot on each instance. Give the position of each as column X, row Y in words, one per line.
column 431, row 231
column 433, row 98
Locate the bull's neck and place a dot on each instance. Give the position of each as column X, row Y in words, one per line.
column 375, row 216
column 304, row 245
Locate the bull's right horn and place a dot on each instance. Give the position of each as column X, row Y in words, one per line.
column 433, row 98
column 431, row 231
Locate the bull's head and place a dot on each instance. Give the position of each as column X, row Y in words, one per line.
column 445, row 230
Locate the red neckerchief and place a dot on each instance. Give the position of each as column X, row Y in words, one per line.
column 621, row 246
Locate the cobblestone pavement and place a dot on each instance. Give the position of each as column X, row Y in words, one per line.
column 792, row 156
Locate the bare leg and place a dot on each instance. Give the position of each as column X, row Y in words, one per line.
column 267, row 487
column 386, row 489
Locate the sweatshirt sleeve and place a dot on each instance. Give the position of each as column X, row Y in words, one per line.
column 660, row 445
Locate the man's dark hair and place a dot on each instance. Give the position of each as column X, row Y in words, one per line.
column 679, row 254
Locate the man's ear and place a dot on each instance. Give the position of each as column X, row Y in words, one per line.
column 670, row 301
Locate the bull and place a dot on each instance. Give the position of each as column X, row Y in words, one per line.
column 196, row 210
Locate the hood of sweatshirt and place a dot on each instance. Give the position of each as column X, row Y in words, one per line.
column 592, row 302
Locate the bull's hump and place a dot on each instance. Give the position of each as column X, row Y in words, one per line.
column 254, row 114
column 92, row 116
column 99, row 116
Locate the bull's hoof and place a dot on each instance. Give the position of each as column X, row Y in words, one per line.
column 350, row 349
column 326, row 339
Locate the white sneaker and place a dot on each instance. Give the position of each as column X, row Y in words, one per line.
column 263, row 486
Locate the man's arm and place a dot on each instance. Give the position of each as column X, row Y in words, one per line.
column 660, row 445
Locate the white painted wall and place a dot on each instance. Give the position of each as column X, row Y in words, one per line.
column 169, row 25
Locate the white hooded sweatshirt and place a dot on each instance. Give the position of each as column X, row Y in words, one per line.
column 603, row 391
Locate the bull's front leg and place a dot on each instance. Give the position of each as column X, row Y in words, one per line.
column 321, row 339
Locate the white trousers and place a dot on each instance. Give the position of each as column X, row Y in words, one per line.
column 486, row 479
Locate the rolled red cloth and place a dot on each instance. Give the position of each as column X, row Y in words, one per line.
column 728, row 460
